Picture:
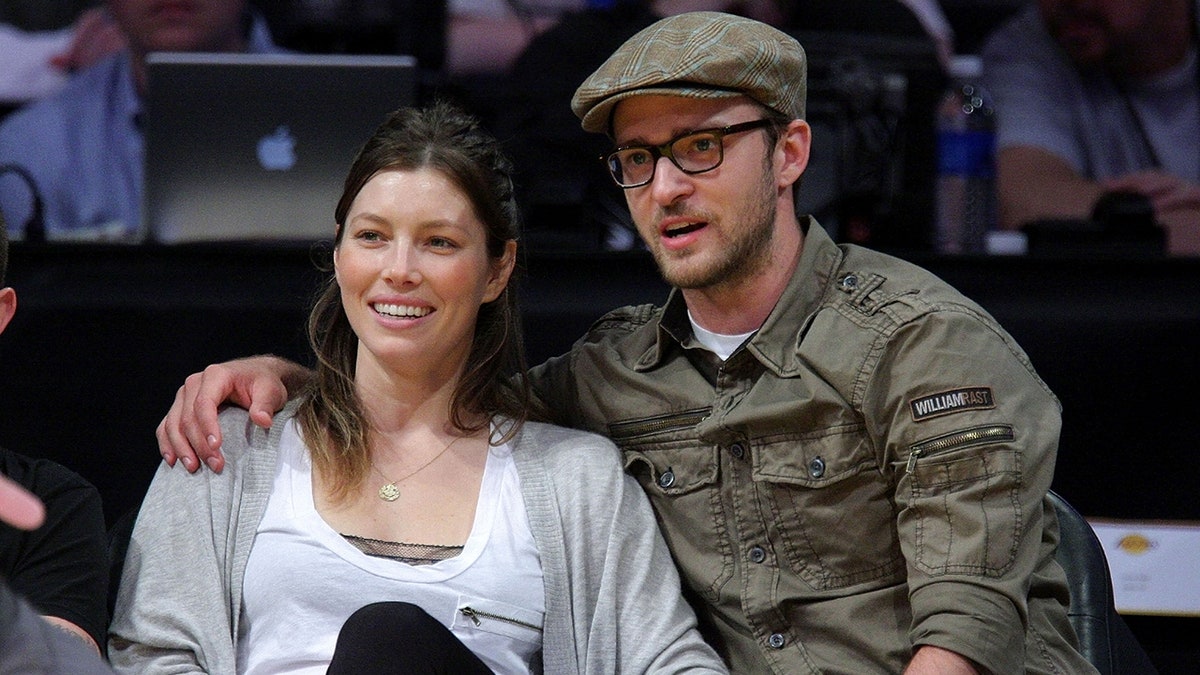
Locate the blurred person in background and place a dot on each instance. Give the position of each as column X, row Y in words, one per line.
column 81, row 150
column 486, row 36
column 1094, row 97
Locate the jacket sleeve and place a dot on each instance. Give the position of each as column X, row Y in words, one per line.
column 556, row 384
column 552, row 384
column 176, row 609
column 968, row 433
column 626, row 594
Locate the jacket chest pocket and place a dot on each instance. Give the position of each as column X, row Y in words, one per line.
column 680, row 475
column 832, row 509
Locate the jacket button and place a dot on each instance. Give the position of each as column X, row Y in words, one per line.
column 776, row 641
column 816, row 468
column 737, row 450
column 850, row 282
column 757, row 554
column 667, row 479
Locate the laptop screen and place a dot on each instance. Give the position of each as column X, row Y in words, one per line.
column 255, row 147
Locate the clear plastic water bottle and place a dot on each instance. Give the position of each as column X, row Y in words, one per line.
column 966, row 145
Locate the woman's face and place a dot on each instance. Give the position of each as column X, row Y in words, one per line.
column 413, row 269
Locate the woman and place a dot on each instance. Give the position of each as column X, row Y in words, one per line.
column 407, row 472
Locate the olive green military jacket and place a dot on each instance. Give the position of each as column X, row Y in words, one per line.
column 867, row 473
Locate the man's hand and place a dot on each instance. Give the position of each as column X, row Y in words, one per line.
column 1176, row 203
column 95, row 36
column 930, row 659
column 1165, row 191
column 190, row 431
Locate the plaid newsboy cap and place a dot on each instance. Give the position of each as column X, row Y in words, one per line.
column 698, row 55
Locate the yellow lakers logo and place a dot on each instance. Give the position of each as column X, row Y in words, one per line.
column 1135, row 544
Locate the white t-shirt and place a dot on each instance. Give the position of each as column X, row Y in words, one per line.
column 303, row 579
column 718, row 343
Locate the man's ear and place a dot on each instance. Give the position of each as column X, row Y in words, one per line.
column 794, row 145
column 8, row 306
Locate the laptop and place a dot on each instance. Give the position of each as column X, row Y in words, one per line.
column 255, row 147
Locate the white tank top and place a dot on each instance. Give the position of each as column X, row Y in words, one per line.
column 303, row 579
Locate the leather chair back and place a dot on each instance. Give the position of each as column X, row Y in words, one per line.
column 1104, row 638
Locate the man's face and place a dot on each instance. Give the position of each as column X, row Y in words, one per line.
column 180, row 25
column 709, row 229
column 1093, row 31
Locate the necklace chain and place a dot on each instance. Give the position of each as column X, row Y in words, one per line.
column 389, row 492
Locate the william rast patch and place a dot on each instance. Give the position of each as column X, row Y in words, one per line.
column 955, row 400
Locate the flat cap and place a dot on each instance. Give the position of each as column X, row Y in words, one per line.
column 698, row 55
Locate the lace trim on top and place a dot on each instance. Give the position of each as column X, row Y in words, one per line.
column 412, row 554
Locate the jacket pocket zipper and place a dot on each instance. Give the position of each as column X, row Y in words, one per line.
column 958, row 439
column 653, row 425
column 475, row 615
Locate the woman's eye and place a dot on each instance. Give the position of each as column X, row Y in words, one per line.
column 441, row 242
column 368, row 235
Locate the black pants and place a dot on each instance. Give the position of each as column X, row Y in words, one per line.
column 399, row 637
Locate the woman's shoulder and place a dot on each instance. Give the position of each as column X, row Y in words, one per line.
column 557, row 446
column 240, row 435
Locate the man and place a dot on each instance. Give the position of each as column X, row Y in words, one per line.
column 28, row 643
column 1096, row 96
column 53, row 547
column 848, row 458
column 82, row 148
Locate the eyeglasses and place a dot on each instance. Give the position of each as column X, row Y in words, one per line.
column 694, row 152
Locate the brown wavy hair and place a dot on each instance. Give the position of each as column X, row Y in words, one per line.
column 446, row 139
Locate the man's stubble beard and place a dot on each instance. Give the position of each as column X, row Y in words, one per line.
column 748, row 253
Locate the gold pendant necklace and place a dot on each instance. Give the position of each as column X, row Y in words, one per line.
column 389, row 492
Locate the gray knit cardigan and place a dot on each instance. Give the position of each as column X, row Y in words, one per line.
column 613, row 600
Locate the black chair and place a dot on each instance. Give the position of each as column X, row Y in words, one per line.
column 1104, row 638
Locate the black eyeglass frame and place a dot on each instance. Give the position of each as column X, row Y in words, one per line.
column 664, row 150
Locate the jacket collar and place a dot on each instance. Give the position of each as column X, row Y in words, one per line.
column 775, row 345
